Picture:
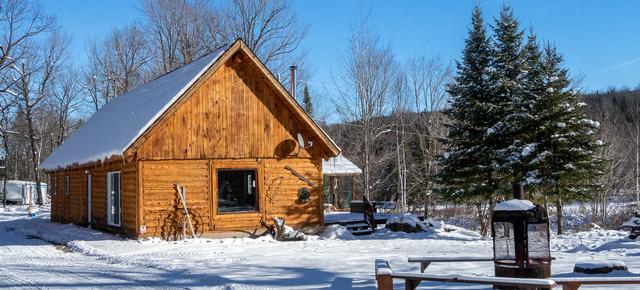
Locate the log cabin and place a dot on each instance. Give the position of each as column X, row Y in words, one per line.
column 222, row 126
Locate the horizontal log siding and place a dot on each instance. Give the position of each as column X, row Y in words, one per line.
column 277, row 189
column 285, row 203
column 72, row 208
column 160, row 196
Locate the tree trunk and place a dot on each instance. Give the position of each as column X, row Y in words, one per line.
column 332, row 191
column 5, row 145
column 34, row 154
column 483, row 224
column 426, row 207
column 637, row 177
column 559, row 215
column 366, row 174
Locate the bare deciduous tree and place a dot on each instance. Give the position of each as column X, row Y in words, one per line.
column 180, row 31
column 7, row 113
column 66, row 100
column 426, row 88
column 35, row 75
column 365, row 87
column 20, row 21
column 401, row 107
column 269, row 27
column 117, row 64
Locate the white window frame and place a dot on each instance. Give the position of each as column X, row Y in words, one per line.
column 54, row 188
column 89, row 205
column 110, row 216
column 66, row 185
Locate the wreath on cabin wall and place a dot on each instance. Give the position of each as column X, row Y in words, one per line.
column 304, row 195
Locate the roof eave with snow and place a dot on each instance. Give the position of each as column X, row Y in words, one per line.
column 339, row 166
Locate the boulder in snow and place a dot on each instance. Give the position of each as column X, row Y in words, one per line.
column 407, row 223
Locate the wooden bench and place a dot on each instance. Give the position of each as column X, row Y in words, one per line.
column 385, row 276
column 573, row 283
column 426, row 261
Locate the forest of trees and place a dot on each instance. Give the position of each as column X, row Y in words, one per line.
column 397, row 120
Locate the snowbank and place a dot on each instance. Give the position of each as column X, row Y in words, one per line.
column 336, row 232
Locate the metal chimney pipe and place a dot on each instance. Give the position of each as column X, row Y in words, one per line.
column 518, row 191
column 292, row 81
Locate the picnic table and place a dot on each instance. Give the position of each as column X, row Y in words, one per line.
column 385, row 276
column 568, row 281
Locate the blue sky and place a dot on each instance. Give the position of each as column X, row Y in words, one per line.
column 599, row 39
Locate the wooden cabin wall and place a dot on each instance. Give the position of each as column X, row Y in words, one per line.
column 285, row 201
column 72, row 208
column 56, row 201
column 235, row 113
column 160, row 199
column 277, row 193
column 67, row 206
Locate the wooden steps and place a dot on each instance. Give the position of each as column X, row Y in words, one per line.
column 359, row 229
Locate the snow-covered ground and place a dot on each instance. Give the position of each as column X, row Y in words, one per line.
column 334, row 261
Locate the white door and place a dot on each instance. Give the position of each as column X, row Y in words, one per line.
column 89, row 198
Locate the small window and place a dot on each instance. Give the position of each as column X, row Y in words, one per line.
column 113, row 198
column 237, row 190
column 66, row 184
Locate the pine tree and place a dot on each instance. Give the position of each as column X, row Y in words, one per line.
column 468, row 171
column 307, row 104
column 566, row 158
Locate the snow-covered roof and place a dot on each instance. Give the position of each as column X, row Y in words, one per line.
column 514, row 205
column 119, row 123
column 339, row 165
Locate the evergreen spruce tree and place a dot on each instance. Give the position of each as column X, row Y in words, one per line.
column 508, row 74
column 524, row 120
column 516, row 119
column 468, row 171
column 307, row 104
column 566, row 157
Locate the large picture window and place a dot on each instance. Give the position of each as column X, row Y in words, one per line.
column 113, row 198
column 237, row 190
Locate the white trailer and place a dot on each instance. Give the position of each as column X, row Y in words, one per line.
column 18, row 191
